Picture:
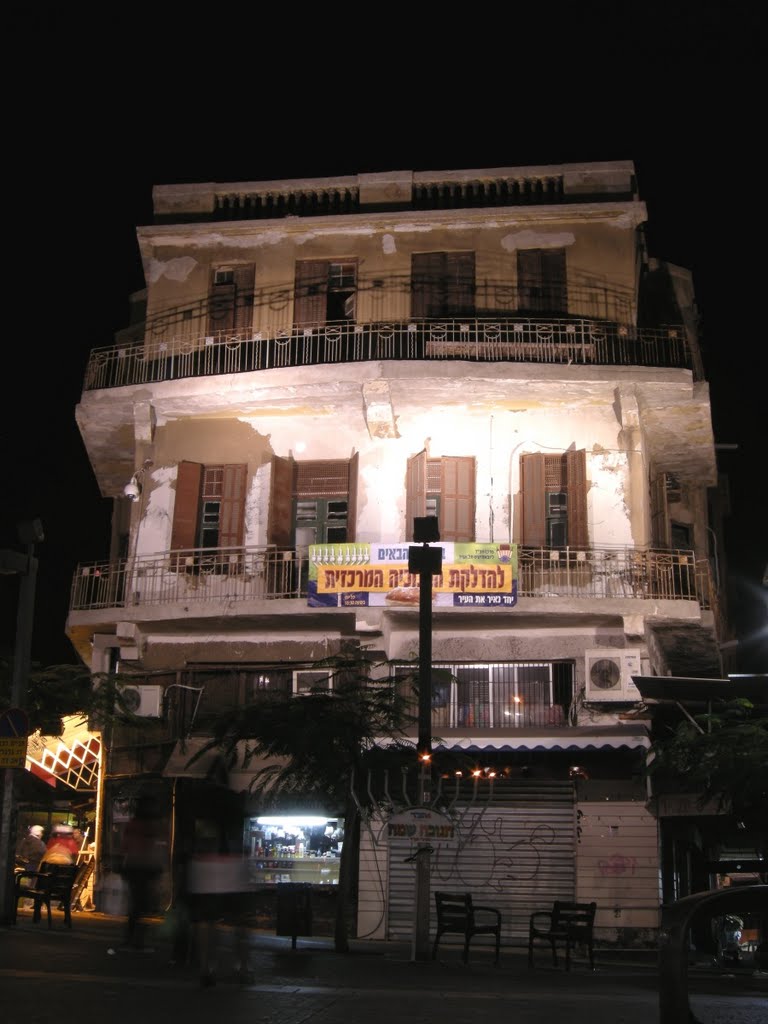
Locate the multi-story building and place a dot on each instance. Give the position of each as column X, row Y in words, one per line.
column 314, row 365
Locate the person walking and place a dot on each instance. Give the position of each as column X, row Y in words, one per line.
column 142, row 865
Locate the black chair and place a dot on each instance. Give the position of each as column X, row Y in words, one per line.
column 567, row 924
column 51, row 884
column 457, row 913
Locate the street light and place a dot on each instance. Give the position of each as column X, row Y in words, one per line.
column 30, row 532
column 425, row 562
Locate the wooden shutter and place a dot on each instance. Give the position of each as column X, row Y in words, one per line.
column 230, row 306
column 442, row 284
column 352, row 498
column 280, row 527
column 415, row 491
column 457, row 498
column 533, row 527
column 310, row 301
column 576, row 469
column 232, row 506
column 186, row 506
column 541, row 280
column 458, row 284
column 661, row 532
column 243, row 304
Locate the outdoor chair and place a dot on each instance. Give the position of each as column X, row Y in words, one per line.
column 567, row 924
column 52, row 884
column 457, row 913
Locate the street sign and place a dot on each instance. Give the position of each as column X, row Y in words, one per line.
column 14, row 722
column 13, row 751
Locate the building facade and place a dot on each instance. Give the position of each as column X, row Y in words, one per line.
column 316, row 364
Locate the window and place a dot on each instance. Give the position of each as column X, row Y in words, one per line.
column 230, row 302
column 553, row 500
column 209, row 515
column 496, row 695
column 541, row 281
column 443, row 284
column 312, row 502
column 444, row 487
column 308, row 681
column 325, row 291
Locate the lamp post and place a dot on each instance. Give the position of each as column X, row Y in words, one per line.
column 425, row 562
column 25, row 565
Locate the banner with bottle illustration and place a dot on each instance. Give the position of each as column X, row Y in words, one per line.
column 475, row 575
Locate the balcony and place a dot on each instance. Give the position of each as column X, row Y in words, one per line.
column 235, row 575
column 175, row 348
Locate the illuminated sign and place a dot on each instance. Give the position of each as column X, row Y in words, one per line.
column 376, row 574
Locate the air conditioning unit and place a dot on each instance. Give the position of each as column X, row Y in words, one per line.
column 307, row 681
column 609, row 674
column 145, row 701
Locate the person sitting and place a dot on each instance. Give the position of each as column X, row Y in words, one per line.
column 29, row 853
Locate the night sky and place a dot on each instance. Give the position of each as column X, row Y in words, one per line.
column 96, row 114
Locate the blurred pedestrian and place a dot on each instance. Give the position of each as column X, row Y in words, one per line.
column 218, row 893
column 142, row 864
column 62, row 847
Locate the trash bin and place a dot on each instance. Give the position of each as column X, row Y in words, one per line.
column 294, row 909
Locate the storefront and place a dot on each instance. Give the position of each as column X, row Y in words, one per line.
column 294, row 848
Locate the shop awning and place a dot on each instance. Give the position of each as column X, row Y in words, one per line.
column 178, row 765
column 702, row 691
column 631, row 736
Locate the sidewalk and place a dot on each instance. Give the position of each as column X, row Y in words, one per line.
column 61, row 975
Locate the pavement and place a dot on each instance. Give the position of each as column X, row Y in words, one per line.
column 62, row 975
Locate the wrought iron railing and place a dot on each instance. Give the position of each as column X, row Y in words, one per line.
column 169, row 352
column 270, row 573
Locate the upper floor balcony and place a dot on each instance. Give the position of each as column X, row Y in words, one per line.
column 269, row 573
column 164, row 350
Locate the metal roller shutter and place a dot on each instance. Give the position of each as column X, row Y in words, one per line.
column 516, row 853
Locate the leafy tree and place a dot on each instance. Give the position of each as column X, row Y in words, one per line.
column 723, row 756
column 55, row 692
column 325, row 742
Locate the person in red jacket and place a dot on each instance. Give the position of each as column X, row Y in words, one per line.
column 143, row 859
column 62, row 847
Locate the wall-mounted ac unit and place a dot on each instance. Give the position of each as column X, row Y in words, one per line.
column 145, row 701
column 609, row 674
column 307, row 681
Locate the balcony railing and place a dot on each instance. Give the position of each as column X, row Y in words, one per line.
column 169, row 352
column 269, row 573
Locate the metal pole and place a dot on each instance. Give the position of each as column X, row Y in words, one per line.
column 21, row 664
column 427, row 562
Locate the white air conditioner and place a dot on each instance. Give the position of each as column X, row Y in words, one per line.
column 307, row 681
column 144, row 701
column 609, row 674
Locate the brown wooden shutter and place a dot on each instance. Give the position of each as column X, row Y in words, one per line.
column 415, row 491
column 280, row 527
column 459, row 284
column 533, row 526
column 352, row 498
column 541, row 280
column 231, row 526
column 243, row 305
column 310, row 301
column 661, row 531
column 186, row 506
column 457, row 498
column 576, row 468
column 442, row 284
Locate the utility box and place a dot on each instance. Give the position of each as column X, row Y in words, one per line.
column 294, row 910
